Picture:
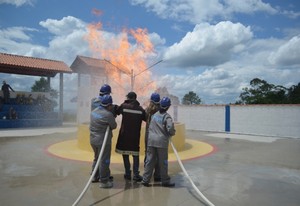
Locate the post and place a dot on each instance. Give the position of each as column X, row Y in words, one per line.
column 227, row 118
column 61, row 94
column 132, row 80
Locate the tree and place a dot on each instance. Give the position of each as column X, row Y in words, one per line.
column 191, row 98
column 43, row 86
column 294, row 94
column 261, row 92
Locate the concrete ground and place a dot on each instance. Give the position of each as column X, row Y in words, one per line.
column 244, row 170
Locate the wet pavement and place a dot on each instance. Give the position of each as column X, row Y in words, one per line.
column 244, row 170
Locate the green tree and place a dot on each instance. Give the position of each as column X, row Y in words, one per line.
column 191, row 98
column 43, row 86
column 294, row 94
column 261, row 92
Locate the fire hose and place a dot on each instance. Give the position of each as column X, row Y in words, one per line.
column 189, row 178
column 100, row 156
column 95, row 168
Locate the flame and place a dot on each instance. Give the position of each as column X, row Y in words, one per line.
column 126, row 55
column 97, row 12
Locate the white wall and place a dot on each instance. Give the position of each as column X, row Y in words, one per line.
column 274, row 120
column 202, row 117
column 270, row 120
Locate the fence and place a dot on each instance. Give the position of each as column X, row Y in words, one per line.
column 269, row 120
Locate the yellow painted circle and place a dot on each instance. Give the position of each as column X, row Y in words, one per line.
column 69, row 150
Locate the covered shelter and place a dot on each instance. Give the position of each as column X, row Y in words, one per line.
column 23, row 65
column 92, row 74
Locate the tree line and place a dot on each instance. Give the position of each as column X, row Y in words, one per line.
column 259, row 92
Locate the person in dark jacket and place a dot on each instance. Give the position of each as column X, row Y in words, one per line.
column 129, row 135
column 101, row 118
column 5, row 89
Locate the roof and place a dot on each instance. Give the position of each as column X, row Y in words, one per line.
column 89, row 65
column 15, row 64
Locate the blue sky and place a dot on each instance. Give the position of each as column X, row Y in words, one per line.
column 214, row 48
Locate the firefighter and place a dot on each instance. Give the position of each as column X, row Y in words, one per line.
column 129, row 135
column 101, row 118
column 161, row 129
column 105, row 89
column 152, row 108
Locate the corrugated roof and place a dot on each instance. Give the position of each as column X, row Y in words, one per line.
column 16, row 64
column 91, row 65
column 93, row 61
column 88, row 65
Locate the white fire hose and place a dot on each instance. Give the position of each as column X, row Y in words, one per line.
column 100, row 156
column 186, row 174
column 95, row 168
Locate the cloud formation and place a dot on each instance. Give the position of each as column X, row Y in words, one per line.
column 208, row 45
column 197, row 11
column 18, row 3
column 287, row 54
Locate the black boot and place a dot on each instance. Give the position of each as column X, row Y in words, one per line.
column 168, row 184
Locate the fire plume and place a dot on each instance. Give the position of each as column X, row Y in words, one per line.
column 125, row 54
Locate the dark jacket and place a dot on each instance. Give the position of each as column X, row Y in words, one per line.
column 129, row 135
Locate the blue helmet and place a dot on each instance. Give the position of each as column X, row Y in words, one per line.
column 155, row 98
column 106, row 100
column 165, row 102
column 105, row 89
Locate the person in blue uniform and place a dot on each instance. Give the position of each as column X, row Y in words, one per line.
column 161, row 129
column 101, row 118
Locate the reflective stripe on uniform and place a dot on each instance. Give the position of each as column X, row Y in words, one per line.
column 132, row 111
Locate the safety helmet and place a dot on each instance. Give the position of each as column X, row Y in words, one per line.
column 106, row 100
column 155, row 98
column 165, row 102
column 105, row 89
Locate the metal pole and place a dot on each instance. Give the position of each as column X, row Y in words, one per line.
column 149, row 67
column 61, row 95
column 132, row 80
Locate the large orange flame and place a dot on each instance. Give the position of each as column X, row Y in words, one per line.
column 126, row 55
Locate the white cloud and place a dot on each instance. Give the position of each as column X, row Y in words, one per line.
column 65, row 48
column 17, row 40
column 197, row 11
column 287, row 54
column 18, row 2
column 64, row 26
column 291, row 14
column 248, row 6
column 16, row 33
column 208, row 45
column 216, row 85
column 68, row 40
column 156, row 39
